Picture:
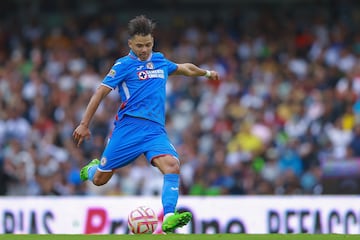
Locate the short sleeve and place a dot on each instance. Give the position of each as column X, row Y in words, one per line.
column 172, row 67
column 115, row 75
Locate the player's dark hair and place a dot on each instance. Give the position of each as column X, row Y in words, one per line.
column 141, row 25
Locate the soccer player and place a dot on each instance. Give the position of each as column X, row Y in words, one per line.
column 139, row 126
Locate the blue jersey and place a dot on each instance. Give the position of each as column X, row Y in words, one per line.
column 141, row 85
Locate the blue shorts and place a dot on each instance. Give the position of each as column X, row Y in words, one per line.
column 132, row 137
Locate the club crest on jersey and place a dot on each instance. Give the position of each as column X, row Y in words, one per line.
column 111, row 73
column 143, row 75
column 150, row 65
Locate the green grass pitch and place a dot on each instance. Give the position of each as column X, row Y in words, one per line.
column 185, row 237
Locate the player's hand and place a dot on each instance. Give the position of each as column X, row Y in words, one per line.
column 214, row 75
column 80, row 134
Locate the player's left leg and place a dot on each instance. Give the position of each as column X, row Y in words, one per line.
column 169, row 166
column 162, row 154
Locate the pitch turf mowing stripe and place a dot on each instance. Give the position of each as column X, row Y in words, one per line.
column 185, row 237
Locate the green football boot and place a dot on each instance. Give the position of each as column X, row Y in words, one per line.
column 84, row 171
column 176, row 221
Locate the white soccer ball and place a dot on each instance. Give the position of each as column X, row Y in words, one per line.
column 142, row 220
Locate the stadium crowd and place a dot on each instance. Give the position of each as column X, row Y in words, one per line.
column 287, row 102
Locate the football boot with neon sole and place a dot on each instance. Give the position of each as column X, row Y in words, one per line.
column 175, row 221
column 84, row 171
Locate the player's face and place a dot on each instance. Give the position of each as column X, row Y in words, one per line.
column 141, row 46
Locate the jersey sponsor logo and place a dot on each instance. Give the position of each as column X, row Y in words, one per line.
column 111, row 73
column 139, row 67
column 143, row 75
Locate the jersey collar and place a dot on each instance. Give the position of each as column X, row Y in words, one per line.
column 133, row 56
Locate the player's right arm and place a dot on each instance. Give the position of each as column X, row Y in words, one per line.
column 82, row 131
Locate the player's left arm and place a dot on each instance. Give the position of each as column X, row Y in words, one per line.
column 191, row 70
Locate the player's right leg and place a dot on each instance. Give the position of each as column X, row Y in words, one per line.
column 88, row 171
column 100, row 172
column 124, row 146
column 91, row 172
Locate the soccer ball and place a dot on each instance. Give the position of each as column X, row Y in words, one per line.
column 142, row 220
